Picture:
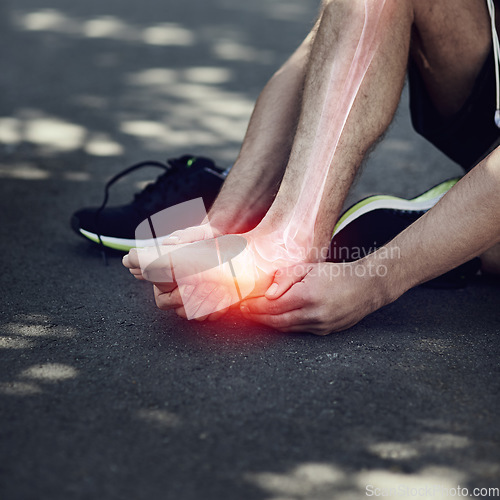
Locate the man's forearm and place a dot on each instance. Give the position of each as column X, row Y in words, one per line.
column 463, row 225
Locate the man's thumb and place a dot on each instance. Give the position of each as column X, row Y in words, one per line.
column 284, row 279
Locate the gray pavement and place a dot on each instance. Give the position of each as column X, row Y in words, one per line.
column 102, row 396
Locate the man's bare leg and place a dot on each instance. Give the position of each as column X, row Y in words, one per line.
column 450, row 42
column 339, row 46
column 253, row 182
column 371, row 113
column 368, row 118
column 449, row 58
column 272, row 126
column 450, row 64
column 340, row 30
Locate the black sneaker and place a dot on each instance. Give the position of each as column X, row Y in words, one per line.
column 376, row 220
column 185, row 178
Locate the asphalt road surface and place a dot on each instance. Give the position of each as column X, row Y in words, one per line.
column 104, row 397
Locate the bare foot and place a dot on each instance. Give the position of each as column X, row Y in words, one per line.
column 213, row 273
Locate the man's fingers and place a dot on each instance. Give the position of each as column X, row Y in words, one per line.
column 204, row 300
column 142, row 258
column 284, row 322
column 166, row 287
column 181, row 312
column 285, row 278
column 224, row 306
column 131, row 260
column 137, row 274
column 199, row 300
column 290, row 301
column 167, row 300
column 188, row 293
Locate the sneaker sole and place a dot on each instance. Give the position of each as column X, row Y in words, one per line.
column 421, row 203
column 376, row 220
column 119, row 244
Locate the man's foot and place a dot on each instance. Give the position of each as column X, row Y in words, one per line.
column 212, row 273
column 185, row 178
column 376, row 220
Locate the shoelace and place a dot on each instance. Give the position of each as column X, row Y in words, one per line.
column 108, row 185
column 165, row 183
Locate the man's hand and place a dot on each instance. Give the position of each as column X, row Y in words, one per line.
column 168, row 299
column 322, row 298
column 318, row 298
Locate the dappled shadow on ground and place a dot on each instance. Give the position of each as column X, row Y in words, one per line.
column 103, row 396
column 105, row 80
column 118, row 400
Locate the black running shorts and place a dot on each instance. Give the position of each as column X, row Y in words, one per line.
column 469, row 135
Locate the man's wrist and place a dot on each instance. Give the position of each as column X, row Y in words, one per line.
column 383, row 268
